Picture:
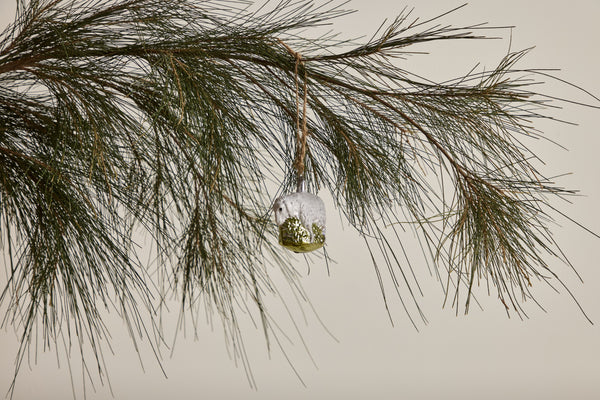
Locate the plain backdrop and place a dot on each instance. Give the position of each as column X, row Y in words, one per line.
column 484, row 355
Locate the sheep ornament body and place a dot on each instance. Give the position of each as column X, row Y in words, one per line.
column 301, row 220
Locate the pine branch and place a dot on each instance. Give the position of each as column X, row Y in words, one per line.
column 171, row 118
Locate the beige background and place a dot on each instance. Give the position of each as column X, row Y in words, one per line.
column 484, row 355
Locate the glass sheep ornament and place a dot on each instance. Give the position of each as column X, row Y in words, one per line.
column 301, row 220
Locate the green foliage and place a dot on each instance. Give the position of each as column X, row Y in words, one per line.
column 173, row 117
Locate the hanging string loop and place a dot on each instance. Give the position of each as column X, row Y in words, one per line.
column 301, row 129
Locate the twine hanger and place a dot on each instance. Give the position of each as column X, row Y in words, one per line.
column 301, row 130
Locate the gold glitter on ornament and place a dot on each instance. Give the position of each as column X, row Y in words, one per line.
column 294, row 236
